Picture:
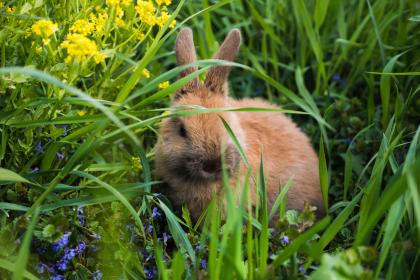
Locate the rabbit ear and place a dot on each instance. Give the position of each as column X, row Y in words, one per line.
column 216, row 79
column 185, row 54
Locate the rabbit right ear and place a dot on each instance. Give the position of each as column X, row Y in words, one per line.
column 185, row 54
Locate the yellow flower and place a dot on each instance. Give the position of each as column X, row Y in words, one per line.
column 80, row 47
column 136, row 162
column 38, row 50
column 140, row 36
column 81, row 113
column 146, row 11
column 164, row 17
column 164, row 85
column 99, row 21
column 99, row 57
column 45, row 29
column 1, row 5
column 82, row 26
column 164, row 2
column 10, row 10
column 112, row 2
column 172, row 24
column 145, row 73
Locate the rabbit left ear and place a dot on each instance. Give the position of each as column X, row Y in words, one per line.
column 216, row 79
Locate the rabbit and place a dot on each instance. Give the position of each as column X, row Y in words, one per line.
column 189, row 148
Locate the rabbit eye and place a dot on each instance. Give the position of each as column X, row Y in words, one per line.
column 182, row 131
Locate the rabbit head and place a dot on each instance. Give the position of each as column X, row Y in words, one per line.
column 190, row 148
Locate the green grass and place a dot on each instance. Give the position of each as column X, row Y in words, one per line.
column 82, row 134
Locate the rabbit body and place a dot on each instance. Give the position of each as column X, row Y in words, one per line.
column 189, row 149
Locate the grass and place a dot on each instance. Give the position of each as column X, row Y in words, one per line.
column 77, row 138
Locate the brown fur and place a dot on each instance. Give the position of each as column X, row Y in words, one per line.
column 188, row 153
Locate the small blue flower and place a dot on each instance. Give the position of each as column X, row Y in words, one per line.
column 69, row 253
column 302, row 268
column 80, row 247
column 285, row 239
column 337, row 78
column 64, row 127
column 203, row 264
column 62, row 264
column 60, row 156
column 156, row 213
column 150, row 273
column 35, row 169
column 150, row 228
column 97, row 275
column 38, row 148
column 80, row 215
column 57, row 277
column 198, row 247
column 166, row 237
column 58, row 245
column 41, row 268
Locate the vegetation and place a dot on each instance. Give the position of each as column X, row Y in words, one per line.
column 84, row 85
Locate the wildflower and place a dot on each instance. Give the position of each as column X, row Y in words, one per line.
column 97, row 275
column 57, row 277
column 80, row 247
column 198, row 247
column 164, row 85
column 99, row 21
column 140, row 36
column 80, row 215
column 64, row 127
column 62, row 242
column 156, row 213
column 82, row 26
column 203, row 264
column 81, row 113
column 166, row 237
column 38, row 148
column 35, row 169
column 285, row 239
column 38, row 50
column 149, row 228
column 150, row 273
column 69, row 253
column 164, row 2
column 302, row 268
column 79, row 47
column 62, row 264
column 164, row 17
column 337, row 78
column 136, row 162
column 99, row 57
column 146, row 11
column 45, row 29
column 10, row 10
column 60, row 156
column 145, row 73
column 41, row 268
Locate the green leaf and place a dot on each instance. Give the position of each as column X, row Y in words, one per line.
column 10, row 176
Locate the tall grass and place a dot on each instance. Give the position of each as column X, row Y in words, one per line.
column 76, row 150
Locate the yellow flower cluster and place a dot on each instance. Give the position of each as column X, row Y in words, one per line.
column 80, row 47
column 164, row 85
column 145, row 73
column 98, row 21
column 82, row 26
column 147, row 13
column 45, row 29
column 136, row 163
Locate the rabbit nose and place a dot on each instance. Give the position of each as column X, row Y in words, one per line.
column 212, row 166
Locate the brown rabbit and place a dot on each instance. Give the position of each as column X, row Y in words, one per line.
column 188, row 153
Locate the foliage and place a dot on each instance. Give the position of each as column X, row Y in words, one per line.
column 84, row 85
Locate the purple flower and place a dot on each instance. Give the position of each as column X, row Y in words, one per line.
column 57, row 277
column 69, row 253
column 203, row 264
column 285, row 239
column 64, row 127
column 156, row 213
column 60, row 156
column 150, row 273
column 80, row 247
column 35, row 169
column 38, row 148
column 302, row 268
column 97, row 275
column 166, row 237
column 150, row 228
column 337, row 78
column 198, row 247
column 58, row 245
column 41, row 268
column 80, row 215
column 62, row 264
